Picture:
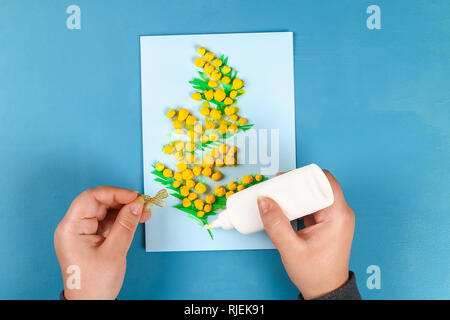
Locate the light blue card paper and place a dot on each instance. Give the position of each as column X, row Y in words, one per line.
column 265, row 62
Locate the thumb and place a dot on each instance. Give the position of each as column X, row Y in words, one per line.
column 277, row 225
column 124, row 227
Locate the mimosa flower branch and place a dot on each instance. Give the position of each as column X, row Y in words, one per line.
column 218, row 85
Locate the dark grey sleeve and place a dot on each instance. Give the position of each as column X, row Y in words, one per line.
column 349, row 291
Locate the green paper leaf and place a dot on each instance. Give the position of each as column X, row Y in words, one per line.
column 177, row 195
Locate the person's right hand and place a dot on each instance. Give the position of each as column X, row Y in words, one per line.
column 317, row 257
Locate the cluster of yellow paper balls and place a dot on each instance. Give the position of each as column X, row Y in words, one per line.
column 233, row 186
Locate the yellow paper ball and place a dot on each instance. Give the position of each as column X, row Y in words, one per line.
column 186, row 202
column 171, row 113
column 167, row 173
column 196, row 96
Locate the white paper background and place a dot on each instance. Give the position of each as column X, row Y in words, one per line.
column 265, row 62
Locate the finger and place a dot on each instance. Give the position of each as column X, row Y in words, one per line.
column 122, row 232
column 145, row 216
column 339, row 208
column 277, row 225
column 113, row 197
column 105, row 226
column 309, row 220
column 95, row 202
column 92, row 206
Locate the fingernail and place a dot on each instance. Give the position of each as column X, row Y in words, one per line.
column 263, row 205
column 136, row 207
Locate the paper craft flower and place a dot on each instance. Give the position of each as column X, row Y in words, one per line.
column 218, row 89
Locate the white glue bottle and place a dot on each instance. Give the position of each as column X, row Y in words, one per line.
column 298, row 193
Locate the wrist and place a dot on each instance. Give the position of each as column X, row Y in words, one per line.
column 325, row 286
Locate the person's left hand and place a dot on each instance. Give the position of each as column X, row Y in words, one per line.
column 92, row 241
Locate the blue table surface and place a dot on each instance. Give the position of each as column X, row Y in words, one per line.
column 371, row 105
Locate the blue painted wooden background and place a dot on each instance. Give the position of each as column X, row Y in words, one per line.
column 372, row 106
